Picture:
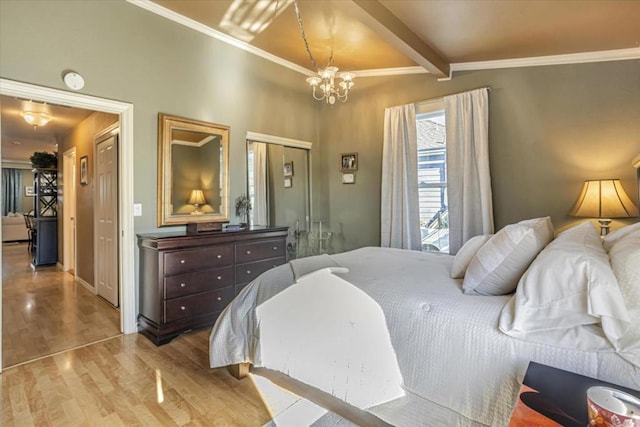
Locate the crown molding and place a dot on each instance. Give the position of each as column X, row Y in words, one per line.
column 534, row 61
column 17, row 164
column 571, row 58
column 194, row 25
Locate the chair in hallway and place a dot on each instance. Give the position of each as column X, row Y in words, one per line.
column 29, row 221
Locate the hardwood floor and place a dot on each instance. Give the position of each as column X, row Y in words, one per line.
column 45, row 311
column 127, row 380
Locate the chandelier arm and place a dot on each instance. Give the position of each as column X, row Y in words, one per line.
column 315, row 97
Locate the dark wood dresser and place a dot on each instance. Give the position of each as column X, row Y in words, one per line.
column 186, row 280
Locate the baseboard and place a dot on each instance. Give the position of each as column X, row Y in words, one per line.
column 86, row 285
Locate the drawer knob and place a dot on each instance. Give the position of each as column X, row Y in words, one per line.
column 182, row 285
column 275, row 248
column 219, row 256
column 183, row 308
column 248, row 252
column 219, row 298
column 248, row 271
column 219, row 277
column 182, row 261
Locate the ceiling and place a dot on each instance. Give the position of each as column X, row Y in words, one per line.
column 375, row 37
column 20, row 140
column 431, row 34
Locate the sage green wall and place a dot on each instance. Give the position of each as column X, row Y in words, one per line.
column 550, row 128
column 129, row 54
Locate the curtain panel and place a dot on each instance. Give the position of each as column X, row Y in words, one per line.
column 11, row 190
column 468, row 177
column 400, row 216
column 260, row 184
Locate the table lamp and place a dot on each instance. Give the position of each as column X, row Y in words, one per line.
column 603, row 199
column 196, row 198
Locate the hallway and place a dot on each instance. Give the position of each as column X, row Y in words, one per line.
column 45, row 311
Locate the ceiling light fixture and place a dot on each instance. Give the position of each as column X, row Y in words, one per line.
column 36, row 118
column 329, row 90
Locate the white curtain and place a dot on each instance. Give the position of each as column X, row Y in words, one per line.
column 400, row 216
column 468, row 178
column 260, row 195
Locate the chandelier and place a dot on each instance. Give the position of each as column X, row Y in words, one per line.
column 330, row 90
column 36, row 118
column 326, row 82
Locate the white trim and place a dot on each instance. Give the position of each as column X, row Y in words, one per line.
column 571, row 58
column 261, row 137
column 382, row 72
column 636, row 162
column 194, row 25
column 69, row 236
column 128, row 310
column 86, row 284
column 16, row 164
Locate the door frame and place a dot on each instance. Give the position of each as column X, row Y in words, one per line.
column 69, row 235
column 126, row 243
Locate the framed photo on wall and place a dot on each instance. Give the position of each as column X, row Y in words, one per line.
column 287, row 183
column 28, row 191
column 348, row 178
column 288, row 169
column 349, row 161
column 84, row 170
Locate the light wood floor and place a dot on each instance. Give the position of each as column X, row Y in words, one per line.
column 127, row 380
column 45, row 311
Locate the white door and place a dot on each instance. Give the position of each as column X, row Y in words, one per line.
column 69, row 209
column 106, row 218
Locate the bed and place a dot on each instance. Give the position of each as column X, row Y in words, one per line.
column 446, row 353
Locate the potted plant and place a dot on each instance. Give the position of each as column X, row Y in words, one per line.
column 243, row 206
column 44, row 160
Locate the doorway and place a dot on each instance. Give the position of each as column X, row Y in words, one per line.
column 69, row 212
column 126, row 245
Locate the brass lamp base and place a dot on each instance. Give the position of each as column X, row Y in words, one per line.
column 604, row 226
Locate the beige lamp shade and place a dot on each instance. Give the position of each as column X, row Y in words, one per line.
column 603, row 198
column 197, row 198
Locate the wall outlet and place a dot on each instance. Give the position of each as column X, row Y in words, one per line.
column 137, row 209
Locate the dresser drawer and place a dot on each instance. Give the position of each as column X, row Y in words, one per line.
column 197, row 259
column 249, row 271
column 193, row 305
column 200, row 281
column 255, row 251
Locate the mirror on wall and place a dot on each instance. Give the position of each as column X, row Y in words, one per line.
column 193, row 171
column 279, row 187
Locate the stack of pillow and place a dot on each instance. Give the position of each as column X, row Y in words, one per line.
column 576, row 291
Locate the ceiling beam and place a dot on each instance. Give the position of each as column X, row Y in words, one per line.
column 377, row 17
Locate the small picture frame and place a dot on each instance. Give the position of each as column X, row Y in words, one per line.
column 348, row 178
column 84, row 170
column 288, row 169
column 28, row 191
column 349, row 161
column 287, row 183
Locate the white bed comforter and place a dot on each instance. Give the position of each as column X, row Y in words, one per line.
column 448, row 346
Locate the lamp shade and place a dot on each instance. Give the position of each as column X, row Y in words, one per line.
column 603, row 198
column 197, row 198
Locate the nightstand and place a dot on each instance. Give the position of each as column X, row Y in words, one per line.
column 554, row 397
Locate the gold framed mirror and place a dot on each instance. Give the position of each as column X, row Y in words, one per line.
column 193, row 171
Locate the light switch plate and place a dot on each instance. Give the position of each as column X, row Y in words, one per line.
column 137, row 209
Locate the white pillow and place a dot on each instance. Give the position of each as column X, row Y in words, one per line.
column 466, row 254
column 499, row 264
column 625, row 261
column 611, row 238
column 569, row 285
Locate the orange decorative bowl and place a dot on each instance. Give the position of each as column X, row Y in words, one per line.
column 609, row 407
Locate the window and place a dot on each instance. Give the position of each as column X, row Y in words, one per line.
column 432, row 177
